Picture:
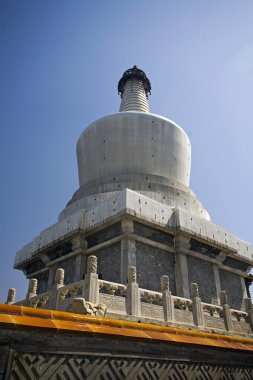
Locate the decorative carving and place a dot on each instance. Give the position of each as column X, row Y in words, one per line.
column 132, row 73
column 107, row 367
column 194, row 289
column 223, row 298
column 32, row 288
column 63, row 293
column 80, row 306
column 92, row 264
column 165, row 283
column 11, row 296
column 35, row 302
column 132, row 275
column 59, row 277
column 44, row 299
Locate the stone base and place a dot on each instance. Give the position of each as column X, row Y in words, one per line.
column 42, row 355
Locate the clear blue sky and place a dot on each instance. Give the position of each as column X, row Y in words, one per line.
column 59, row 67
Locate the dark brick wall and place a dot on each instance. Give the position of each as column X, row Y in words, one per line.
column 105, row 234
column 69, row 267
column 42, row 281
column 232, row 284
column 237, row 264
column 153, row 234
column 151, row 264
column 109, row 262
column 201, row 272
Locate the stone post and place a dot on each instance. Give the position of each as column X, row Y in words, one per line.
column 249, row 309
column 58, row 283
column 197, row 310
column 226, row 311
column 32, row 288
column 90, row 290
column 133, row 296
column 59, row 278
column 11, row 296
column 168, row 303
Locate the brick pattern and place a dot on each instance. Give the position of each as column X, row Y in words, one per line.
column 109, row 262
column 231, row 283
column 201, row 272
column 153, row 234
column 152, row 263
column 69, row 267
column 104, row 235
column 42, row 281
column 46, row 366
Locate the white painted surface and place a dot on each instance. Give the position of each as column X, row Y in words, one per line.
column 134, row 97
column 133, row 143
column 132, row 203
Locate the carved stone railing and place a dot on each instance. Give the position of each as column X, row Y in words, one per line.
column 211, row 309
column 113, row 295
column 182, row 303
column 112, row 287
column 42, row 300
column 70, row 291
column 239, row 315
column 151, row 296
column 137, row 302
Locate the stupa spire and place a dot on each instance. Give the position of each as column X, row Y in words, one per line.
column 134, row 87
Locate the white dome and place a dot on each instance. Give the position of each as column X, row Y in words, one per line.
column 133, row 143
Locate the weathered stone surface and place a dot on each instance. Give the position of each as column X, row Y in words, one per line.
column 59, row 276
column 116, row 359
column 80, row 306
column 11, row 296
column 92, row 264
column 32, row 288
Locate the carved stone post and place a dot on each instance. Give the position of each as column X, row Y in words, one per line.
column 90, row 289
column 11, row 296
column 58, row 283
column 32, row 288
column 168, row 304
column 249, row 309
column 133, row 296
column 226, row 311
column 197, row 310
column 59, row 278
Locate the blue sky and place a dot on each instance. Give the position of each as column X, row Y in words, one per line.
column 59, row 68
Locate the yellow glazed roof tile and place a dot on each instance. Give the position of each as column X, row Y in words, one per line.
column 21, row 317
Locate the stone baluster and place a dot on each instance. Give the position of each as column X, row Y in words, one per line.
column 197, row 310
column 90, row 289
column 32, row 288
column 56, row 294
column 11, row 296
column 133, row 296
column 168, row 303
column 59, row 278
column 249, row 309
column 226, row 312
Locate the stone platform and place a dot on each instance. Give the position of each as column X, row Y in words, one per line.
column 45, row 344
